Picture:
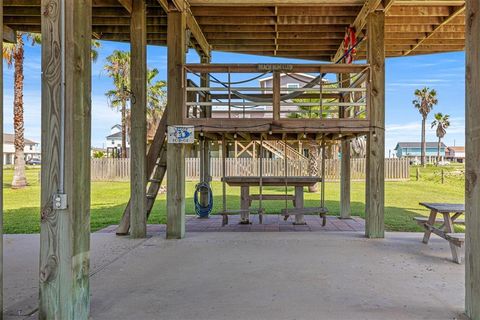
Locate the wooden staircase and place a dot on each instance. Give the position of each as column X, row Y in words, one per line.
column 277, row 147
column 156, row 169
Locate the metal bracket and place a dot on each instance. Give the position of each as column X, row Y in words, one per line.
column 60, row 201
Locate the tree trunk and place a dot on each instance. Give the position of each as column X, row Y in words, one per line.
column 313, row 164
column 19, row 179
column 424, row 143
column 124, row 129
column 438, row 150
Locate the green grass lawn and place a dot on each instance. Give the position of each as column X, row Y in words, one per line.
column 109, row 198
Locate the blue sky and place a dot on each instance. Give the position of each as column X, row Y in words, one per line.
column 444, row 72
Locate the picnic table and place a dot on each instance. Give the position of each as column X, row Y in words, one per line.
column 445, row 225
column 297, row 198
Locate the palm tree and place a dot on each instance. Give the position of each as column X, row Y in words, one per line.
column 14, row 54
column 425, row 100
column 442, row 122
column 156, row 101
column 118, row 68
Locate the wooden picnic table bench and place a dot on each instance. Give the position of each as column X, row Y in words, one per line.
column 254, row 181
column 451, row 213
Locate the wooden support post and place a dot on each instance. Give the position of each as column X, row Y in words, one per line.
column 65, row 173
column 472, row 170
column 345, row 209
column 1, row 165
column 276, row 95
column 375, row 185
column 204, row 145
column 138, row 144
column 176, row 110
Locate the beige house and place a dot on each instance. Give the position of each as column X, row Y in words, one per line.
column 31, row 150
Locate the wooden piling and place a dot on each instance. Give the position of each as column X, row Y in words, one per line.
column 65, row 173
column 138, row 131
column 375, row 193
column 176, row 110
column 472, row 170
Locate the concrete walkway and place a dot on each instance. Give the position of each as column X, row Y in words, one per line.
column 259, row 275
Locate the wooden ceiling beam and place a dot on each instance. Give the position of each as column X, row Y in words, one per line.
column 426, row 11
column 453, row 16
column 9, row 35
column 424, row 28
column 238, row 28
column 316, row 20
column 209, row 11
column 438, row 21
column 349, row 11
column 236, row 20
column 192, row 24
column 359, row 23
column 127, row 4
column 275, row 3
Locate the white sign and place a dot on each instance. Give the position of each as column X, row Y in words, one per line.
column 181, row 134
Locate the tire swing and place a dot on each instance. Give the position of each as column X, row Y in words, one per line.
column 322, row 210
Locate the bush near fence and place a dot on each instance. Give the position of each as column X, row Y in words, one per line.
column 119, row 169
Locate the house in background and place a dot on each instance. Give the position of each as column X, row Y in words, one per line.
column 413, row 150
column 455, row 154
column 31, row 150
column 294, row 81
column 113, row 143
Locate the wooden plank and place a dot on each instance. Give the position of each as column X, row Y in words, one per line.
column 9, row 35
column 345, row 173
column 375, row 183
column 127, row 4
column 176, row 114
column 444, row 207
column 201, row 40
column 472, row 170
column 301, row 68
column 276, row 95
column 65, row 233
column 445, row 21
column 1, row 164
column 423, row 220
column 359, row 23
column 138, row 131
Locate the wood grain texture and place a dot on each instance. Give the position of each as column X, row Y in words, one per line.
column 276, row 95
column 345, row 171
column 176, row 112
column 375, row 183
column 138, row 145
column 65, row 234
column 472, row 169
column 1, row 166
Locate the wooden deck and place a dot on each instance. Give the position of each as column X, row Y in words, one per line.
column 271, row 223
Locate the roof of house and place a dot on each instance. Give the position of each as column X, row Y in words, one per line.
column 418, row 145
column 116, row 135
column 10, row 138
column 457, row 149
column 284, row 75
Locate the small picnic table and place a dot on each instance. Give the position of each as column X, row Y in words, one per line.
column 246, row 198
column 450, row 212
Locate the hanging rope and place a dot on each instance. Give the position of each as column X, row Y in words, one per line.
column 201, row 210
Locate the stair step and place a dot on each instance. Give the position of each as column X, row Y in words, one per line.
column 151, row 196
column 155, row 180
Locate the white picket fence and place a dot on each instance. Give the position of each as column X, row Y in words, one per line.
column 119, row 169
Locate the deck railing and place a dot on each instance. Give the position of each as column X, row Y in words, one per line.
column 246, row 91
column 119, row 169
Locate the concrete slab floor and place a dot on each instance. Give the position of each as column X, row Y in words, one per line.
column 271, row 275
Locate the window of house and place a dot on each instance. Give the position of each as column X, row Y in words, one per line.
column 31, row 147
column 293, row 85
column 113, row 142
